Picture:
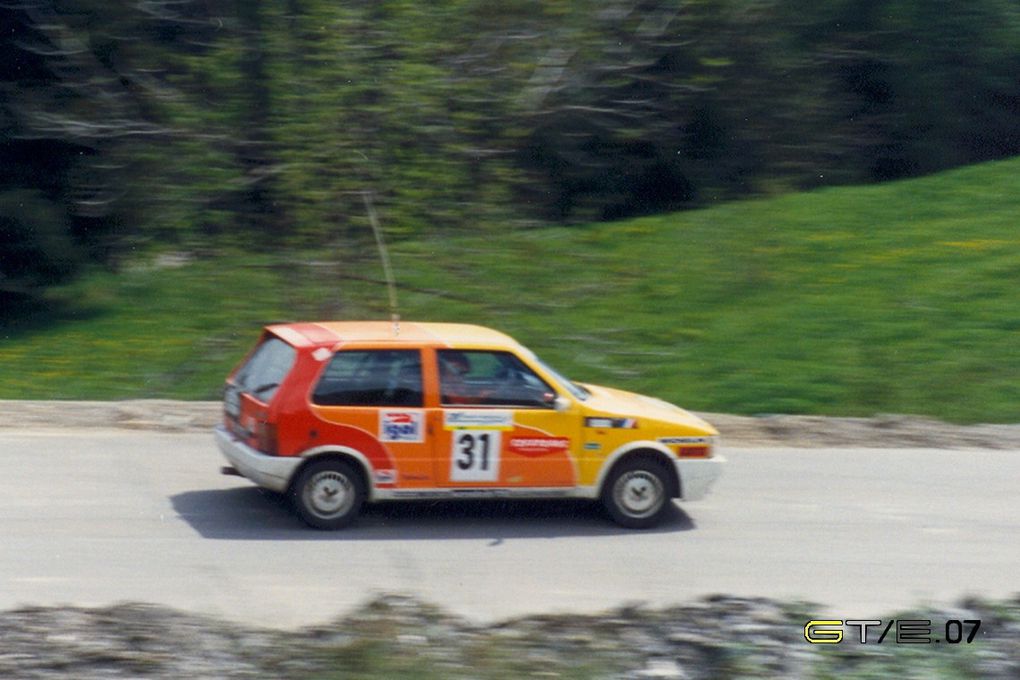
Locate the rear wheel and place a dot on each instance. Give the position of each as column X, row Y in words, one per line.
column 329, row 494
column 636, row 495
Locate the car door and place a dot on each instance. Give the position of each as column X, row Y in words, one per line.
column 375, row 399
column 495, row 425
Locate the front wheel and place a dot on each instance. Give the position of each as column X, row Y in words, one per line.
column 329, row 494
column 636, row 495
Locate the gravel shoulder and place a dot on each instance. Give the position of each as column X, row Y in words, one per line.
column 887, row 431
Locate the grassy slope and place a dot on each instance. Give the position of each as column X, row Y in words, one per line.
column 902, row 297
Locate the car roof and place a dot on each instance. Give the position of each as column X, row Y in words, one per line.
column 418, row 333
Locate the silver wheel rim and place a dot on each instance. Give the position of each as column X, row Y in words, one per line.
column 638, row 493
column 329, row 494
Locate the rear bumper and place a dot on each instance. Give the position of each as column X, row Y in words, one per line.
column 697, row 476
column 271, row 472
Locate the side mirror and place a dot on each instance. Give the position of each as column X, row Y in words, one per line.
column 559, row 403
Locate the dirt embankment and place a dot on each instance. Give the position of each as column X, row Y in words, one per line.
column 773, row 430
column 716, row 637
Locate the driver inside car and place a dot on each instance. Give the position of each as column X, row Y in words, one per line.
column 453, row 367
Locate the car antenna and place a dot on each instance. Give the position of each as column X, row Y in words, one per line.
column 391, row 284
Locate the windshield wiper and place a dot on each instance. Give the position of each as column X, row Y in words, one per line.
column 262, row 388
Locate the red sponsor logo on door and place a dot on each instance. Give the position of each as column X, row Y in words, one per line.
column 539, row 446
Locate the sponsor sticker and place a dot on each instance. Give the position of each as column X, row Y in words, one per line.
column 478, row 420
column 611, row 423
column 401, row 426
column 385, row 476
column 321, row 354
column 684, row 440
column 539, row 446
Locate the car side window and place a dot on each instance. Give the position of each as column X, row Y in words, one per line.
column 484, row 378
column 371, row 378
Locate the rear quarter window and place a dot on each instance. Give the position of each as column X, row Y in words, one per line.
column 265, row 370
column 371, row 378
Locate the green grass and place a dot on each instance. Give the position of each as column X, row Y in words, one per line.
column 895, row 298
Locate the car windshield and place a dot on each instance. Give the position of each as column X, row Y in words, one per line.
column 578, row 391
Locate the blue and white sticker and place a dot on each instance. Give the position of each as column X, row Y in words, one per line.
column 478, row 420
column 402, row 426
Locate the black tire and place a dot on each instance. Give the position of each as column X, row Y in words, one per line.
column 636, row 495
column 328, row 494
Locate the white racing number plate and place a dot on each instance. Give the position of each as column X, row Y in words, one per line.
column 477, row 442
column 475, row 456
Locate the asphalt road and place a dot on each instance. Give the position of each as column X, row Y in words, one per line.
column 98, row 517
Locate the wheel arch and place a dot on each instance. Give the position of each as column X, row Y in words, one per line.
column 646, row 450
column 339, row 453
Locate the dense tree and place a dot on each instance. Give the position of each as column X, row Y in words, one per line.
column 257, row 123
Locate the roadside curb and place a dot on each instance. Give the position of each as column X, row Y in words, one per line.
column 886, row 431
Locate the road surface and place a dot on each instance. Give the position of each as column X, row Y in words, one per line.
column 97, row 517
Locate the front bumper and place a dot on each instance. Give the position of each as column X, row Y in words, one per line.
column 271, row 472
column 697, row 475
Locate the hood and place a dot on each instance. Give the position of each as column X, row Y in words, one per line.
column 649, row 411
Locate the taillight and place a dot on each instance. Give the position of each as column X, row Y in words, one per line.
column 266, row 438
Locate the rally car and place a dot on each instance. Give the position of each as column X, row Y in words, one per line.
column 338, row 414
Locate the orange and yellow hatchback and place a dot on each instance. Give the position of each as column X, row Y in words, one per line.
column 341, row 413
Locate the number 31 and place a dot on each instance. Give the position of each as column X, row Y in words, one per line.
column 475, row 456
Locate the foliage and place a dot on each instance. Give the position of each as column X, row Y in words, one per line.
column 217, row 122
column 898, row 298
column 36, row 246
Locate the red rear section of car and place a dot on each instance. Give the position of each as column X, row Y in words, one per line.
column 250, row 395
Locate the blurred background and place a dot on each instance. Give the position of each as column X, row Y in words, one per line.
column 751, row 206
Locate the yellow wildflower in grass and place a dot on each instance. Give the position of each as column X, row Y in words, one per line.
column 980, row 244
